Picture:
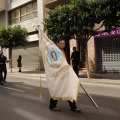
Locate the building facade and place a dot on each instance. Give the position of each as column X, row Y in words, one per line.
column 104, row 52
column 28, row 14
column 103, row 49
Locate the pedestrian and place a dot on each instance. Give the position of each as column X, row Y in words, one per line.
column 75, row 57
column 19, row 61
column 3, row 60
column 1, row 76
column 53, row 102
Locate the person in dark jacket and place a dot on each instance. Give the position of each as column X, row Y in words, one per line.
column 75, row 57
column 1, row 76
column 3, row 60
column 19, row 61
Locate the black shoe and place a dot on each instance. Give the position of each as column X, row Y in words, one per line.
column 76, row 110
column 55, row 109
column 1, row 83
column 5, row 81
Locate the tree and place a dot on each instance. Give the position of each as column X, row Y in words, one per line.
column 111, row 15
column 58, row 25
column 12, row 37
column 78, row 19
column 60, row 17
column 92, row 12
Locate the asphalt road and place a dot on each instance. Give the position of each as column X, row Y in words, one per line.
column 19, row 100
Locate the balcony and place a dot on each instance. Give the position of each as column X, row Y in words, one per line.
column 2, row 5
column 52, row 3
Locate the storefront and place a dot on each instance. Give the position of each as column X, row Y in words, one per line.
column 107, row 51
column 29, row 54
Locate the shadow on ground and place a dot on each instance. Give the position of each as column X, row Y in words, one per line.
column 32, row 72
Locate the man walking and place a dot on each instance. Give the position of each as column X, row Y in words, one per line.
column 75, row 57
column 53, row 102
column 3, row 60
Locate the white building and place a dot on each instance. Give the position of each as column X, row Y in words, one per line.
column 103, row 49
column 28, row 14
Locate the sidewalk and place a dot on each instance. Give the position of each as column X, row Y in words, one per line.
column 96, row 78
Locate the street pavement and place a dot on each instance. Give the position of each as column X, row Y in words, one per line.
column 20, row 98
column 96, row 78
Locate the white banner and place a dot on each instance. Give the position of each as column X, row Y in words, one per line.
column 62, row 82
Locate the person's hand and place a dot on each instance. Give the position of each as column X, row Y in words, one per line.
column 7, row 61
column 72, row 59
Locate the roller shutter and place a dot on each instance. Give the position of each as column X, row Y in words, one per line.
column 29, row 55
column 108, row 54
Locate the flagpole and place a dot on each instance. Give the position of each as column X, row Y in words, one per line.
column 89, row 96
column 40, row 37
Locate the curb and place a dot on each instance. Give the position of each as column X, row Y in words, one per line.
column 102, row 83
column 82, row 80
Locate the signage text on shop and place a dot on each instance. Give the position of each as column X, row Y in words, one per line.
column 106, row 34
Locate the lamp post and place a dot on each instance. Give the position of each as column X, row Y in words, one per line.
column 38, row 27
column 39, row 38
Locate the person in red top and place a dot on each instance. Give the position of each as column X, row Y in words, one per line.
column 53, row 103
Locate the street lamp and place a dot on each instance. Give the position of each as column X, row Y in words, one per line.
column 38, row 27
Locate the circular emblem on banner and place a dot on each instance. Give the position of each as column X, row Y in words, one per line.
column 55, row 56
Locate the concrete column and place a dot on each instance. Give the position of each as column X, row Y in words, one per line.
column 40, row 4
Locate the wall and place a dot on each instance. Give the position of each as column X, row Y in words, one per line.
column 16, row 3
column 91, row 50
column 2, row 5
column 91, row 54
column 2, row 17
column 31, row 25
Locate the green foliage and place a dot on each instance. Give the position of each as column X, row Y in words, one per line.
column 12, row 37
column 112, row 17
column 109, row 12
column 58, row 24
column 80, row 17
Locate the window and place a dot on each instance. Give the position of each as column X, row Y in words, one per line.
column 29, row 11
column 15, row 16
column 24, row 13
column 12, row 1
column 35, row 9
